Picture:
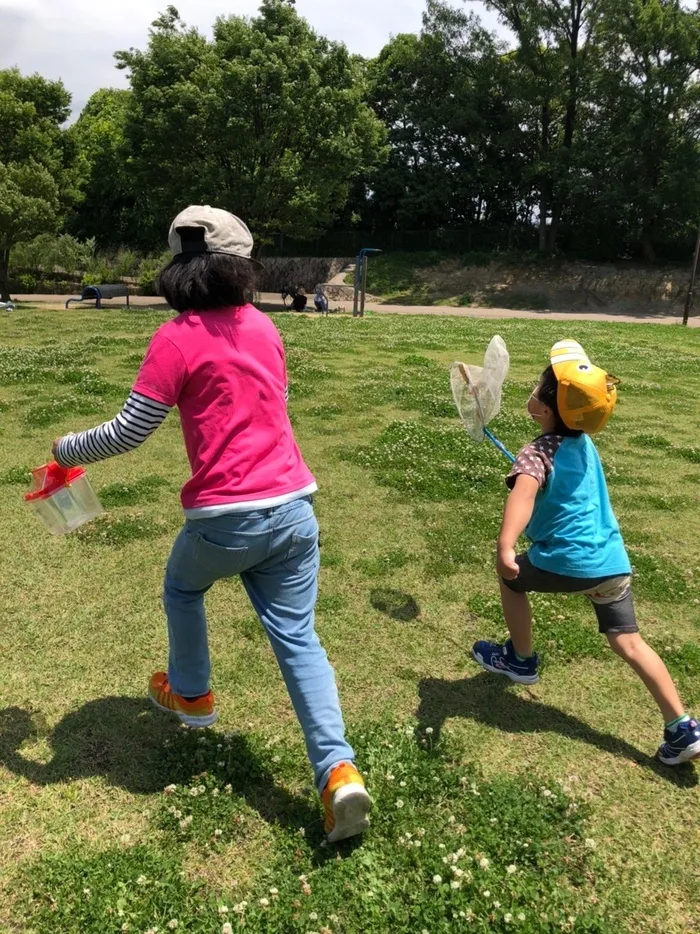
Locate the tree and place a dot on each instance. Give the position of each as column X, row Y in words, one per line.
column 267, row 120
column 642, row 178
column 108, row 210
column 456, row 145
column 554, row 42
column 36, row 159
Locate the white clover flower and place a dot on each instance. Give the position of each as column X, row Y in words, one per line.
column 512, row 869
column 174, row 923
column 484, row 863
column 227, row 928
column 313, row 916
column 508, row 918
column 142, row 880
column 390, row 777
column 399, row 804
column 402, row 784
column 228, row 790
column 429, row 730
column 590, row 844
column 496, row 904
column 437, row 880
column 223, row 909
column 87, row 892
column 441, row 846
column 264, row 902
column 487, row 894
column 218, row 832
column 170, row 789
column 455, row 884
column 521, row 916
column 274, row 892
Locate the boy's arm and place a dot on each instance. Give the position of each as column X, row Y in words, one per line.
column 516, row 516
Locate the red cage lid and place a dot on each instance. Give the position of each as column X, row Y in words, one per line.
column 50, row 478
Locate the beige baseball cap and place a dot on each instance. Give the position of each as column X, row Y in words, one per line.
column 204, row 229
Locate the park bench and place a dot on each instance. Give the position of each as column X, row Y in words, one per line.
column 98, row 293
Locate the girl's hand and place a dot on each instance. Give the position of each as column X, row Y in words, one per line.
column 54, row 446
column 506, row 564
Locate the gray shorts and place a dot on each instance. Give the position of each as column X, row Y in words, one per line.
column 611, row 596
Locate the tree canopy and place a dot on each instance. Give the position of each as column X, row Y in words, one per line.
column 580, row 132
column 36, row 158
column 267, row 120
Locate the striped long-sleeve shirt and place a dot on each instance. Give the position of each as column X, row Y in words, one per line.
column 135, row 423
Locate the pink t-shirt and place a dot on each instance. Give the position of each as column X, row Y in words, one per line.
column 225, row 371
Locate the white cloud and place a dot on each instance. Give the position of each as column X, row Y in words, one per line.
column 75, row 39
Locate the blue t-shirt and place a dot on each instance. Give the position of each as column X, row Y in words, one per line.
column 573, row 529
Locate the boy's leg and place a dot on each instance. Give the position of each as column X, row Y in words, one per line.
column 617, row 620
column 643, row 659
column 514, row 659
column 518, row 617
column 614, row 608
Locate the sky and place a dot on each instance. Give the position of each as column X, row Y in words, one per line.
column 75, row 39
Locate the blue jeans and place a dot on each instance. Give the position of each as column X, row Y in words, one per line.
column 275, row 552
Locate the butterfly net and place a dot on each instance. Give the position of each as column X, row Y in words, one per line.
column 477, row 390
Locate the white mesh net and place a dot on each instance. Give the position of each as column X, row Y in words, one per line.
column 477, row 390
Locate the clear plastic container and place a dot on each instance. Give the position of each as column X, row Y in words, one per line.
column 63, row 498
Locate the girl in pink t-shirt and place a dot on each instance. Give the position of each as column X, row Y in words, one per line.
column 248, row 505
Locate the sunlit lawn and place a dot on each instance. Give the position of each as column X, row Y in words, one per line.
column 497, row 808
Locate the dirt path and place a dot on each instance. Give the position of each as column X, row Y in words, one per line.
column 273, row 302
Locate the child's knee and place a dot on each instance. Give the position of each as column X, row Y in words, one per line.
column 625, row 644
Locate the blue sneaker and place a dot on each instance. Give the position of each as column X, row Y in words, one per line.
column 502, row 660
column 680, row 745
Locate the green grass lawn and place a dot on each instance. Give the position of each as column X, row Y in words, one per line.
column 498, row 808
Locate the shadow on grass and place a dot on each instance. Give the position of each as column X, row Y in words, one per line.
column 486, row 699
column 395, row 604
column 121, row 739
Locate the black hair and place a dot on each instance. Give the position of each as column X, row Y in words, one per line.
column 205, row 281
column 547, row 391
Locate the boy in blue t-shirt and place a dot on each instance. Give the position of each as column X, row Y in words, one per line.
column 559, row 498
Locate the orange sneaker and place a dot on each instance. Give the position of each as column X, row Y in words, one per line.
column 196, row 714
column 346, row 803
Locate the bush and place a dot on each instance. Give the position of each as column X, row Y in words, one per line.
column 48, row 252
column 91, row 278
column 148, row 271
column 27, row 283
